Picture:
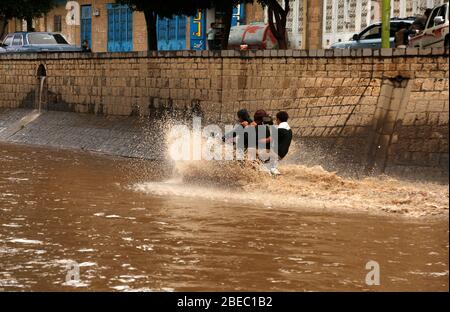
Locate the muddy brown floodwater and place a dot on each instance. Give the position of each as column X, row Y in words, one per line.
column 58, row 207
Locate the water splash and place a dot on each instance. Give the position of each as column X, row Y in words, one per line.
column 300, row 186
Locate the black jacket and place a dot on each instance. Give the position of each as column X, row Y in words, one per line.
column 284, row 139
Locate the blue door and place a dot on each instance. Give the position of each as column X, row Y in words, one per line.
column 171, row 33
column 198, row 31
column 86, row 24
column 238, row 15
column 120, row 28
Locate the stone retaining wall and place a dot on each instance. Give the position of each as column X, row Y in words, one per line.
column 373, row 110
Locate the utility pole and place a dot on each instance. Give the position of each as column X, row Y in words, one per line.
column 386, row 23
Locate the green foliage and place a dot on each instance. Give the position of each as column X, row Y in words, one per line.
column 25, row 9
column 8, row 9
column 168, row 8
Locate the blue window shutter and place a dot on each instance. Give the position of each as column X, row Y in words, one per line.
column 171, row 33
column 86, row 24
column 120, row 28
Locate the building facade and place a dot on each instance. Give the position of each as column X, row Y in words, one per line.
column 109, row 27
column 106, row 26
column 330, row 21
column 343, row 18
column 311, row 24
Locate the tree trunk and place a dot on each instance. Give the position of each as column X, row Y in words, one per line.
column 3, row 28
column 228, row 11
column 29, row 21
column 152, row 36
column 278, row 26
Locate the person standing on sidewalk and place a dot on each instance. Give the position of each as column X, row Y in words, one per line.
column 212, row 37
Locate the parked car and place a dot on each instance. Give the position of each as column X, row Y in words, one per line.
column 36, row 42
column 370, row 37
column 435, row 34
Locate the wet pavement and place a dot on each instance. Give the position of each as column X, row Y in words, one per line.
column 113, row 135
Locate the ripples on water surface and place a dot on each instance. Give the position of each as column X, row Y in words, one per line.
column 60, row 206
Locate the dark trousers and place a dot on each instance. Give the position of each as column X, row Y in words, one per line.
column 211, row 45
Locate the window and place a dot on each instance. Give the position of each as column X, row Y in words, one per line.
column 38, row 38
column 8, row 40
column 172, row 33
column 163, row 26
column 441, row 11
column 86, row 24
column 120, row 28
column 18, row 40
column 60, row 39
column 57, row 26
column 181, row 27
column 172, row 27
column 432, row 16
column 372, row 33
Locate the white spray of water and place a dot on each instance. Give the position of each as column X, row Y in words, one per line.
column 41, row 92
column 299, row 187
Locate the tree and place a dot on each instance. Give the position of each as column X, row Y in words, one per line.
column 31, row 9
column 23, row 9
column 167, row 8
column 7, row 11
column 276, row 13
column 226, row 7
column 277, row 20
column 3, row 27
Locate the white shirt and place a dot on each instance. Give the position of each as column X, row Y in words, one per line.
column 284, row 125
column 211, row 34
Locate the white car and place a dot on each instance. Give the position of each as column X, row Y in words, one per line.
column 435, row 34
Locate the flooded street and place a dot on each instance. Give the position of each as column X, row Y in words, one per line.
column 60, row 207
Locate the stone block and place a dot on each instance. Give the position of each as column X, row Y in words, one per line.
column 386, row 52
